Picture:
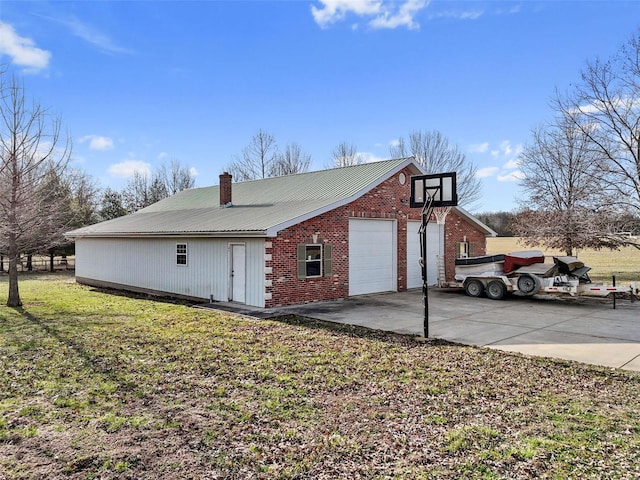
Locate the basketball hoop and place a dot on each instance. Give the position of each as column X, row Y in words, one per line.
column 441, row 214
column 435, row 193
column 438, row 189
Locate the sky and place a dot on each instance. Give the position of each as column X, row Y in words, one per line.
column 137, row 84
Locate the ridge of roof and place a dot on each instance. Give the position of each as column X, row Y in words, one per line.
column 334, row 183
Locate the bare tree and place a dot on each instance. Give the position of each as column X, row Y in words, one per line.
column 432, row 151
column 345, row 155
column 145, row 189
column 176, row 177
column 137, row 194
column 605, row 106
column 85, row 198
column 32, row 216
column 564, row 206
column 257, row 158
column 290, row 162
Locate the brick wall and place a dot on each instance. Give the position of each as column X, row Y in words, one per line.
column 390, row 199
column 456, row 229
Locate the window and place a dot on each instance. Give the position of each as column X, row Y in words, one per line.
column 181, row 254
column 314, row 260
column 464, row 249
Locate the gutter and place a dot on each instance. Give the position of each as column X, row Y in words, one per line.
column 249, row 234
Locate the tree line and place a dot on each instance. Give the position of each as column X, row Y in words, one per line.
column 431, row 150
column 582, row 167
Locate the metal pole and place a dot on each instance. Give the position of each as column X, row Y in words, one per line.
column 425, row 291
column 426, row 213
column 614, row 293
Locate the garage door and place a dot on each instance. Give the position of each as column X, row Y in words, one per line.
column 414, row 270
column 372, row 262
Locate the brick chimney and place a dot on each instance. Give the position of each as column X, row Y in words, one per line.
column 225, row 189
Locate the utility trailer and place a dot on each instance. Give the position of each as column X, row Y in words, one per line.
column 526, row 272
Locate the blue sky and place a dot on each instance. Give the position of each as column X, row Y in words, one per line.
column 138, row 83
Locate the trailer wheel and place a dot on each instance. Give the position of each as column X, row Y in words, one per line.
column 496, row 290
column 529, row 284
column 474, row 288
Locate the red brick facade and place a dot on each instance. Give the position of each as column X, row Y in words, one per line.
column 389, row 200
column 458, row 230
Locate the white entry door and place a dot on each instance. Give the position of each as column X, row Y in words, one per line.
column 238, row 270
column 372, row 257
column 414, row 269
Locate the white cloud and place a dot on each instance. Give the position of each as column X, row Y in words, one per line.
column 599, row 106
column 22, row 50
column 127, row 168
column 403, row 17
column 470, row 15
column 505, row 149
column 381, row 13
column 487, row 172
column 333, row 11
column 511, row 164
column 90, row 35
column 478, row 147
column 97, row 142
column 369, row 157
column 458, row 15
column 514, row 176
column 194, row 172
column 505, row 152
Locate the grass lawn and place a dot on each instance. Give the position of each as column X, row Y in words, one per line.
column 96, row 385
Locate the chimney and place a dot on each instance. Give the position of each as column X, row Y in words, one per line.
column 225, row 189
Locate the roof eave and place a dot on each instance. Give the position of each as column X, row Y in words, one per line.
column 273, row 231
column 227, row 234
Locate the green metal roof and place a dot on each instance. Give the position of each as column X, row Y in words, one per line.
column 259, row 207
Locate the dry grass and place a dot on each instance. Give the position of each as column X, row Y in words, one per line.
column 624, row 263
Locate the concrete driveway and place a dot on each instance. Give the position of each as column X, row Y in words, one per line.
column 583, row 329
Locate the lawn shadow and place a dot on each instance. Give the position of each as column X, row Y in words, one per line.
column 361, row 332
column 96, row 363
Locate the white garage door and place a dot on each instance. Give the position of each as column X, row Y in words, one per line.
column 372, row 257
column 414, row 270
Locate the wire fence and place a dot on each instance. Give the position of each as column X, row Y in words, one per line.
column 38, row 263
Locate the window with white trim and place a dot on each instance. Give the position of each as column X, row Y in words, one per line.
column 314, row 260
column 181, row 254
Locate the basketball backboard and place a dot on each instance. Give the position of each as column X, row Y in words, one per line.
column 439, row 188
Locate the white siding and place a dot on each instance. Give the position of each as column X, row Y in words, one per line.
column 414, row 270
column 372, row 256
column 151, row 264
